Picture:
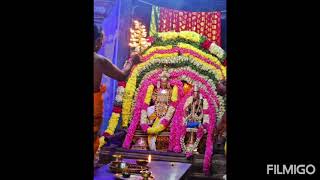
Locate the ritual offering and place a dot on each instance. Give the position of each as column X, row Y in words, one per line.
column 131, row 168
column 142, row 162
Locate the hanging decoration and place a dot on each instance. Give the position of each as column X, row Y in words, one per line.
column 205, row 23
column 138, row 41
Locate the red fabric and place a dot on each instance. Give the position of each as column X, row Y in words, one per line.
column 122, row 83
column 204, row 23
column 116, row 109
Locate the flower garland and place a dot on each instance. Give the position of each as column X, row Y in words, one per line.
column 176, row 129
column 173, row 73
column 214, row 49
column 179, row 130
column 153, row 74
column 128, row 102
column 164, row 122
column 206, row 88
column 178, row 62
column 210, row 141
column 132, row 81
column 141, row 105
column 206, row 84
column 204, row 56
column 196, row 40
column 189, row 150
column 114, row 119
column 137, row 108
column 185, row 50
column 174, row 96
column 190, row 76
column 149, row 94
column 200, row 131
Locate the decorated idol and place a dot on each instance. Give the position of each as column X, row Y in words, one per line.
column 194, row 120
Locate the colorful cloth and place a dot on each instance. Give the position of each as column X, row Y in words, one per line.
column 193, row 124
column 97, row 116
column 204, row 23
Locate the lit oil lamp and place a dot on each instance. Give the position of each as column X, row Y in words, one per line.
column 149, row 158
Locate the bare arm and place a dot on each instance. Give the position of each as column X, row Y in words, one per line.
column 114, row 72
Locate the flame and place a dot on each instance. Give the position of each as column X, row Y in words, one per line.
column 149, row 158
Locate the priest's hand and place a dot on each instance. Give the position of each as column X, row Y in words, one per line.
column 136, row 58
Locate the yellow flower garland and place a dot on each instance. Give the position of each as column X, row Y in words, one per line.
column 155, row 48
column 131, row 84
column 168, row 35
column 155, row 130
column 174, row 96
column 101, row 142
column 113, row 122
column 221, row 71
column 204, row 65
column 206, row 55
column 189, row 35
column 149, row 94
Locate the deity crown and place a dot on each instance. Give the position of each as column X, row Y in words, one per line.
column 165, row 74
column 196, row 88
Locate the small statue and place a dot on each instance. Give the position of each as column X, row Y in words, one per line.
column 193, row 111
column 195, row 120
column 161, row 99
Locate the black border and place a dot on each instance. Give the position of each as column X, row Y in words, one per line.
column 271, row 86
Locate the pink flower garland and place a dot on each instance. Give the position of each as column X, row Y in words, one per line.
column 176, row 126
column 193, row 53
column 165, row 122
column 141, row 105
column 179, row 130
column 137, row 109
column 176, row 129
column 160, row 51
column 196, row 77
column 209, row 143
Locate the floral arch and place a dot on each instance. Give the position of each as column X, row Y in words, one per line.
column 190, row 59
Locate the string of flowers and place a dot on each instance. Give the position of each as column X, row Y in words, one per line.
column 176, row 62
column 156, row 63
column 151, row 74
column 165, row 121
column 207, row 89
column 116, row 111
column 174, row 73
column 189, row 37
column 141, row 105
column 179, row 130
column 137, row 109
column 211, row 83
column 209, row 142
column 187, row 51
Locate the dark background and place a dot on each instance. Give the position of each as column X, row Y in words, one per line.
column 272, row 89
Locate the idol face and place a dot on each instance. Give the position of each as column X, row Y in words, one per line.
column 196, row 94
column 163, row 82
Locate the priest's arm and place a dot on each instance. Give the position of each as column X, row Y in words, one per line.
column 114, row 72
